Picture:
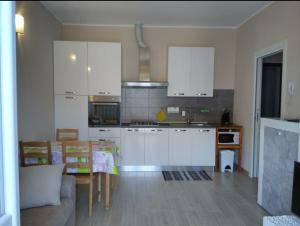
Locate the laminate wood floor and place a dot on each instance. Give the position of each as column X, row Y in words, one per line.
column 145, row 199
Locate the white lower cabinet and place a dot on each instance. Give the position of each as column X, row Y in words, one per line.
column 180, row 146
column 72, row 112
column 203, row 142
column 156, row 146
column 132, row 146
column 168, row 146
column 105, row 134
column 117, row 140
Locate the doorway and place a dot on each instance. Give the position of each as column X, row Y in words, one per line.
column 269, row 94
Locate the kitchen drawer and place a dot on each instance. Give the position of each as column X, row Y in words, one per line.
column 104, row 132
column 114, row 139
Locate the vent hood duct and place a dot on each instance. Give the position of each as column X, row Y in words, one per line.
column 144, row 63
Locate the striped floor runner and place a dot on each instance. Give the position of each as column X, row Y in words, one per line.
column 186, row 175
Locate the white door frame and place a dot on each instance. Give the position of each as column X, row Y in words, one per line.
column 281, row 46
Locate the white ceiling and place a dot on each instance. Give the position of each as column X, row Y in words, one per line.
column 156, row 13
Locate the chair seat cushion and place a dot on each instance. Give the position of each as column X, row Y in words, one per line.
column 48, row 215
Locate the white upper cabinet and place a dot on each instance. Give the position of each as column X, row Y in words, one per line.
column 104, row 68
column 178, row 70
column 202, row 72
column 70, row 67
column 191, row 71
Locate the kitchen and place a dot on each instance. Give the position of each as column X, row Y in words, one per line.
column 190, row 106
column 172, row 88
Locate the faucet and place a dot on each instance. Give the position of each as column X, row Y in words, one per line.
column 188, row 116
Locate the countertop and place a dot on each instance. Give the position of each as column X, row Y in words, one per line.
column 171, row 125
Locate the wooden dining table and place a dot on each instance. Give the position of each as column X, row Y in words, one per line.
column 105, row 164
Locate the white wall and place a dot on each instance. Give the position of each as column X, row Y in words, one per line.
column 35, row 71
column 278, row 22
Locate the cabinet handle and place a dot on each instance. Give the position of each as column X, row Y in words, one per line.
column 156, row 130
column 70, row 92
column 101, row 140
column 179, row 94
column 71, row 98
column 129, row 130
column 204, row 130
column 180, row 130
column 104, row 93
column 104, row 130
column 201, row 94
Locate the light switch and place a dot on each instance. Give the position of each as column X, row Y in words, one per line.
column 291, row 88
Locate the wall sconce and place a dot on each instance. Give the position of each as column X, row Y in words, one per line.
column 19, row 20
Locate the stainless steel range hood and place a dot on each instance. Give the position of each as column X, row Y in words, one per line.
column 144, row 63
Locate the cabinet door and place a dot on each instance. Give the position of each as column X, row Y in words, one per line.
column 104, row 66
column 202, row 72
column 203, row 147
column 180, row 147
column 132, row 147
column 70, row 67
column 179, row 65
column 156, row 147
column 72, row 112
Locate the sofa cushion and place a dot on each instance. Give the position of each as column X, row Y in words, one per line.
column 48, row 215
column 40, row 185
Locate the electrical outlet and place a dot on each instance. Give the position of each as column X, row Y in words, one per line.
column 183, row 113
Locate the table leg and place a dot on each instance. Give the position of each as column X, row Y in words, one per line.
column 217, row 167
column 99, row 187
column 107, row 190
column 239, row 160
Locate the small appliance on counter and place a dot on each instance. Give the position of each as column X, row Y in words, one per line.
column 225, row 120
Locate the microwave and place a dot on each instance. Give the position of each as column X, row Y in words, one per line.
column 228, row 136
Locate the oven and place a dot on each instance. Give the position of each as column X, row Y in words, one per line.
column 104, row 111
column 229, row 136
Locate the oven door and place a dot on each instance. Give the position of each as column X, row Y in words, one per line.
column 226, row 138
column 104, row 114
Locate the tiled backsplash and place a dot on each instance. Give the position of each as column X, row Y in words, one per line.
column 144, row 103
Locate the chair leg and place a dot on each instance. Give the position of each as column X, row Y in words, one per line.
column 113, row 182
column 91, row 199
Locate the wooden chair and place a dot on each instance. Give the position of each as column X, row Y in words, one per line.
column 39, row 150
column 67, row 134
column 80, row 149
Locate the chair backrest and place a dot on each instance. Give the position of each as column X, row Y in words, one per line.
column 35, row 153
column 73, row 151
column 67, row 134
